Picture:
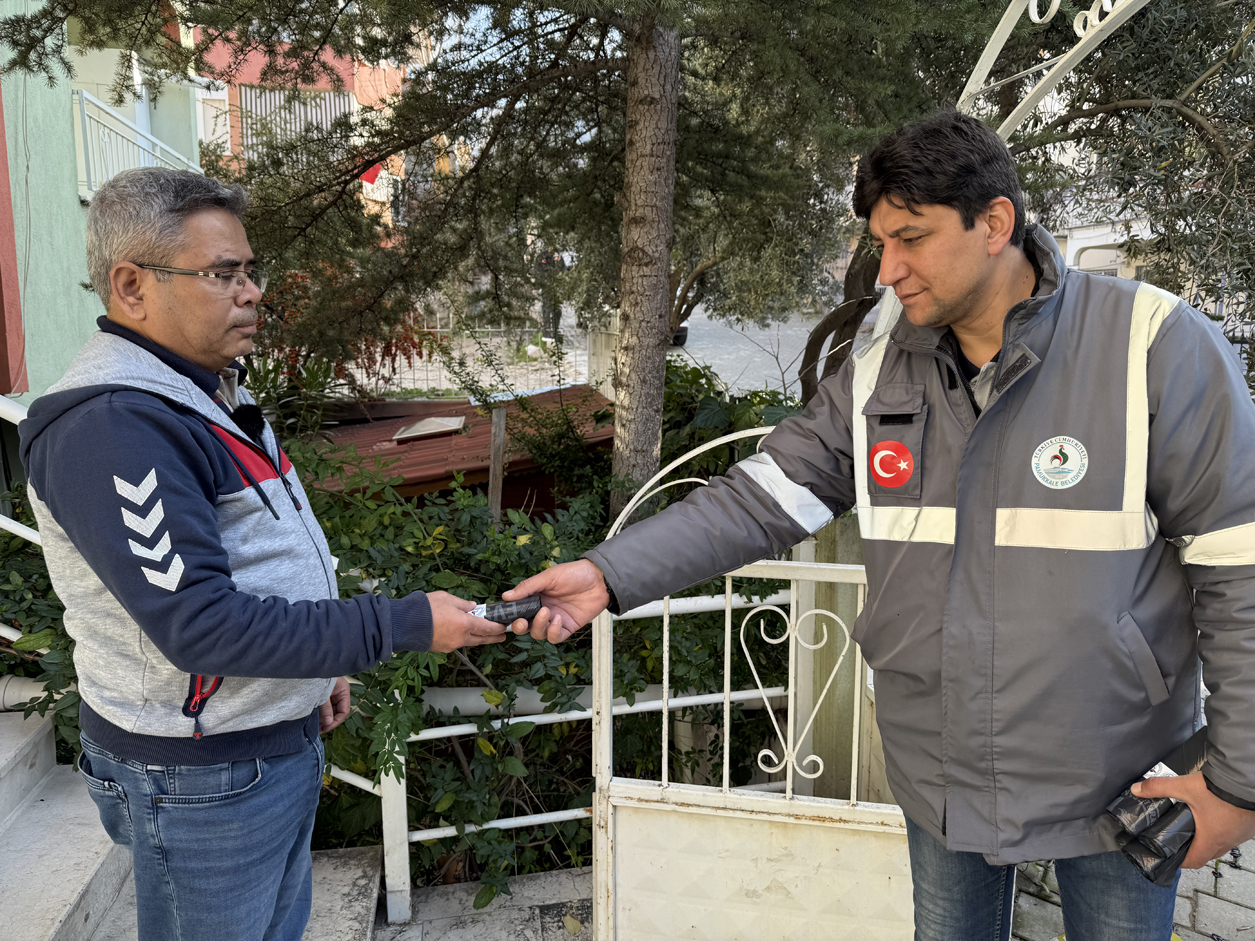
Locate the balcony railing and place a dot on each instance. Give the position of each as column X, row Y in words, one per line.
column 108, row 143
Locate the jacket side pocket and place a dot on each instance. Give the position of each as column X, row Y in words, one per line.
column 1143, row 659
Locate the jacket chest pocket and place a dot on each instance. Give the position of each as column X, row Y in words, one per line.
column 895, row 415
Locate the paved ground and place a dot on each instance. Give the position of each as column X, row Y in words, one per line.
column 749, row 358
column 557, row 906
column 745, row 359
column 551, row 906
column 1213, row 904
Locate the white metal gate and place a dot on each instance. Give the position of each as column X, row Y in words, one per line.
column 681, row 860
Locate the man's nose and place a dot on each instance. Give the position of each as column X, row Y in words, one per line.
column 892, row 267
column 251, row 294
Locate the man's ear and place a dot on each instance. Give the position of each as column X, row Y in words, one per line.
column 1000, row 224
column 126, row 282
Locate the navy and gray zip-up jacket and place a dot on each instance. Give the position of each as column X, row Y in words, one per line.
column 189, row 562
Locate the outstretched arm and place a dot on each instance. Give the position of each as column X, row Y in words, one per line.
column 572, row 593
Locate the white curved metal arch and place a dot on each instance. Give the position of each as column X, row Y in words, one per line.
column 648, row 490
column 1091, row 26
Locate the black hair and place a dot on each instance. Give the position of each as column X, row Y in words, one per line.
column 949, row 159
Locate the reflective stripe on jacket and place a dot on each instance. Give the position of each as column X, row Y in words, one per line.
column 1043, row 575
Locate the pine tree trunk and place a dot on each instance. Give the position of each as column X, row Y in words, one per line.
column 653, row 74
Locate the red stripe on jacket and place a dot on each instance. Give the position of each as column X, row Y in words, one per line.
column 251, row 458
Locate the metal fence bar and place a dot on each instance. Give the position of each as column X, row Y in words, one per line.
column 699, row 604
column 727, row 681
column 603, row 769
column 859, row 692
column 30, row 535
column 580, row 715
column 805, row 571
column 666, row 686
column 506, row 823
column 396, row 847
column 366, row 784
column 87, row 160
column 790, row 746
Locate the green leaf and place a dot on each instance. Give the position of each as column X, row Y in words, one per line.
column 35, row 641
column 485, row 895
column 493, row 697
column 711, row 413
column 486, row 746
column 445, row 802
column 515, row 767
column 775, row 414
column 518, row 729
column 446, row 580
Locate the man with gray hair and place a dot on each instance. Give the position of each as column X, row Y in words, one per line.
column 197, row 584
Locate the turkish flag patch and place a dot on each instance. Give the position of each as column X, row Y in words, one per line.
column 892, row 463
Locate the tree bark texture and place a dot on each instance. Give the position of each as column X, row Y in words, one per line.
column 653, row 78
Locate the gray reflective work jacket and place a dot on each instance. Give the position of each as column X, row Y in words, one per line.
column 1043, row 575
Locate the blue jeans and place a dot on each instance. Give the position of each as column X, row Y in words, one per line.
column 960, row 897
column 220, row 851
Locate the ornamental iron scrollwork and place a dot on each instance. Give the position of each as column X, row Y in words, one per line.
column 768, row 760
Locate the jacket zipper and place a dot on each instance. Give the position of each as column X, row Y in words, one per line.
column 198, row 699
column 287, row 484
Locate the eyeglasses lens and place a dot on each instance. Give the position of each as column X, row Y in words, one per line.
column 232, row 286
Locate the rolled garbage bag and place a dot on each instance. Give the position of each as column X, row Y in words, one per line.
column 1161, row 870
column 1135, row 814
column 1154, row 833
column 1172, row 832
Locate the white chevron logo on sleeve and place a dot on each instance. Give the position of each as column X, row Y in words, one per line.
column 140, row 494
column 156, row 553
column 144, row 525
column 169, row 579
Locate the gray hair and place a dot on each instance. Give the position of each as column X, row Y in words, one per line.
column 139, row 215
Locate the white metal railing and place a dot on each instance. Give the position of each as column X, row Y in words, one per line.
column 14, row 412
column 108, row 144
column 398, row 836
column 790, row 753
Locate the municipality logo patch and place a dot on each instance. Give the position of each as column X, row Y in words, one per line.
column 1060, row 462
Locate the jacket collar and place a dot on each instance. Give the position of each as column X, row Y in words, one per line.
column 205, row 380
column 111, row 361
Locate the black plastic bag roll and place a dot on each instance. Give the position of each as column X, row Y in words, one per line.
column 1158, row 869
column 1135, row 814
column 1155, row 833
column 1172, row 832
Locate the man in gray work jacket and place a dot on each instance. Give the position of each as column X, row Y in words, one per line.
column 1052, row 475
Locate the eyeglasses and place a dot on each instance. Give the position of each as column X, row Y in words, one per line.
column 230, row 283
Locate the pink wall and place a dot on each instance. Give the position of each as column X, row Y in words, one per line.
column 370, row 84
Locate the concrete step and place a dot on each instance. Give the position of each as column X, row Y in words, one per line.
column 59, row 871
column 27, row 755
column 346, row 892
